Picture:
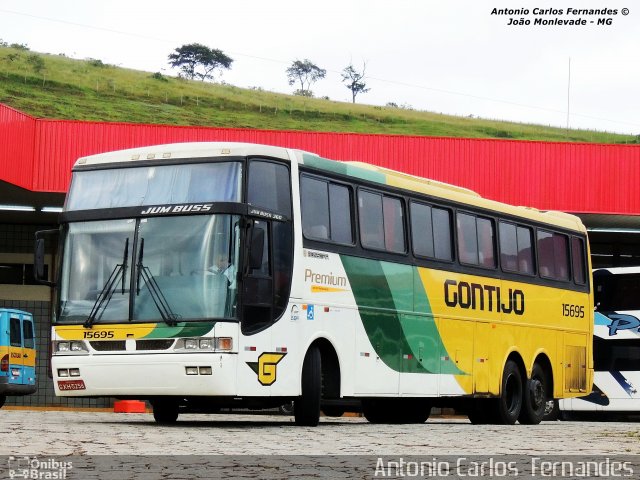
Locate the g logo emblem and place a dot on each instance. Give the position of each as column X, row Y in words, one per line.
column 265, row 367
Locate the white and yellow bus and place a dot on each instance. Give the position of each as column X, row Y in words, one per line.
column 208, row 275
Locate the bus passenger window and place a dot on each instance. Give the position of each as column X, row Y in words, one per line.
column 431, row 231
column 442, row 234
column 315, row 208
column 486, row 252
column 422, row 230
column 393, row 225
column 525, row 250
column 467, row 239
column 577, row 258
column 476, row 237
column 381, row 222
column 371, row 220
column 326, row 210
column 508, row 247
column 516, row 254
column 340, row 213
column 553, row 255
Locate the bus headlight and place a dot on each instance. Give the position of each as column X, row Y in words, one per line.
column 70, row 347
column 78, row 347
column 215, row 344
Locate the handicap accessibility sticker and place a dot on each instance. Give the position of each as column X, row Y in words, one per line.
column 310, row 314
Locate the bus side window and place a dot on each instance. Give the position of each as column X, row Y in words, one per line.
column 516, row 254
column 577, row 259
column 553, row 255
column 381, row 222
column 15, row 335
column 28, row 334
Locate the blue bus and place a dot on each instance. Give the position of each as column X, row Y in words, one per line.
column 17, row 354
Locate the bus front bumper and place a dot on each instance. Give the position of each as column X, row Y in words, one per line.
column 206, row 374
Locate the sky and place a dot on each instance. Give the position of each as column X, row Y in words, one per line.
column 445, row 56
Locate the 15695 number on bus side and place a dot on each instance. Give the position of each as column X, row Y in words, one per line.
column 576, row 311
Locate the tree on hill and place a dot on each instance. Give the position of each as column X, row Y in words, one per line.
column 354, row 80
column 306, row 73
column 199, row 61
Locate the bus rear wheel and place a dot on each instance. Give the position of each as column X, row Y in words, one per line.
column 509, row 405
column 535, row 397
column 306, row 408
column 3, row 398
column 165, row 412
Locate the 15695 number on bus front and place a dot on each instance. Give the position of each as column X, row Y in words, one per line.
column 99, row 334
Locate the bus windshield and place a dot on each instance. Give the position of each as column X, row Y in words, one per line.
column 176, row 268
column 155, row 185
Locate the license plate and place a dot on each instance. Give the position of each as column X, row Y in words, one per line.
column 71, row 385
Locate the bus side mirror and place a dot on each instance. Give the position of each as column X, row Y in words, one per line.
column 257, row 248
column 38, row 261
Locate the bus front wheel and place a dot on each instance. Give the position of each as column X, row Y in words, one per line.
column 165, row 412
column 535, row 397
column 306, row 408
column 509, row 404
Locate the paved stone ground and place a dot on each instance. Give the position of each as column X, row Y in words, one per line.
column 52, row 433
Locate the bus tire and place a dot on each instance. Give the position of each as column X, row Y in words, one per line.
column 306, row 408
column 509, row 404
column 535, row 397
column 3, row 398
column 165, row 412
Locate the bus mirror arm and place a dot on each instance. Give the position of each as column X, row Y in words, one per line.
column 39, row 257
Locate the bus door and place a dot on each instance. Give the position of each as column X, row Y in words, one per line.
column 266, row 282
column 255, row 349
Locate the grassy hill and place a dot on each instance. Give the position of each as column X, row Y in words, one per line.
column 52, row 86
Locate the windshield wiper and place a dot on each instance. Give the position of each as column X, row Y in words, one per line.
column 157, row 296
column 109, row 288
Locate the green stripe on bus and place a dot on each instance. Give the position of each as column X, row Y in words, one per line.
column 343, row 168
column 396, row 315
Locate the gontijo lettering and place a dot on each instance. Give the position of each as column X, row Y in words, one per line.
column 482, row 297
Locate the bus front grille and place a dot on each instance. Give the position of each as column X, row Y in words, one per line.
column 156, row 344
column 108, row 345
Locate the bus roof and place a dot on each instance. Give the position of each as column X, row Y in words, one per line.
column 354, row 169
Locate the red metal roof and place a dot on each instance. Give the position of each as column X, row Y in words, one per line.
column 37, row 154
